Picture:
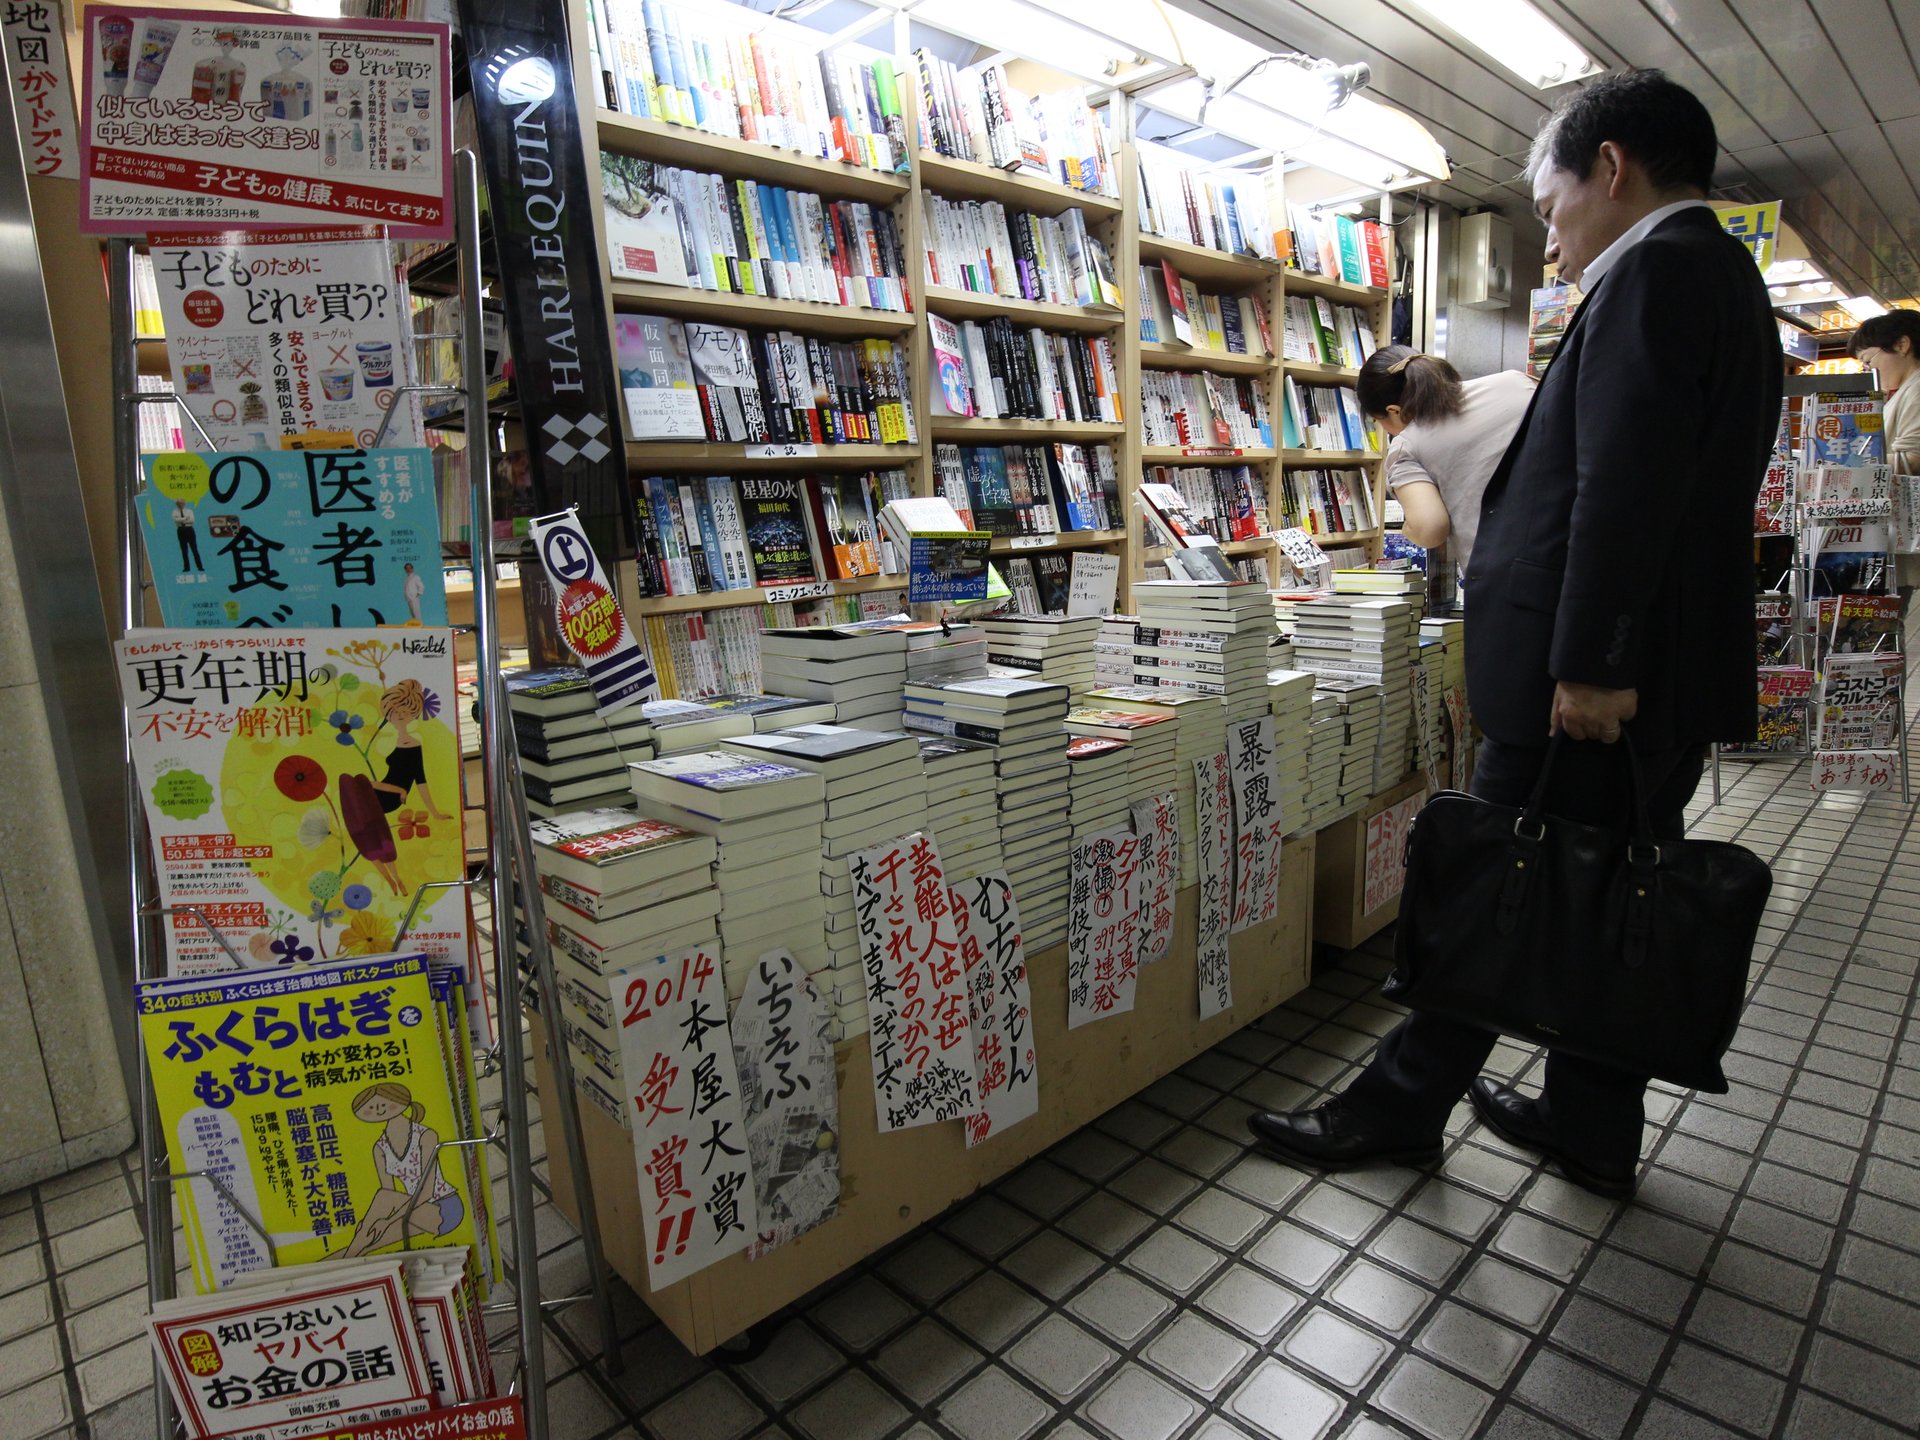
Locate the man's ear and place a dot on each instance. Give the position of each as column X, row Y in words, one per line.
column 1610, row 164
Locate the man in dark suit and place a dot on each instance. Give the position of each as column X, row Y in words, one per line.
column 1612, row 583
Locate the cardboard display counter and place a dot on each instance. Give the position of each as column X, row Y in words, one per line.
column 1361, row 864
column 892, row 1183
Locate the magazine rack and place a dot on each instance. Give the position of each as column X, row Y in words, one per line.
column 507, row 874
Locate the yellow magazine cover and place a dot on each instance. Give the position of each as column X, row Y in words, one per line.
column 312, row 1103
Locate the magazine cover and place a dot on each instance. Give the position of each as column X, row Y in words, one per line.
column 301, row 788
column 321, row 1098
column 1845, row 430
column 1785, row 699
column 1860, row 702
column 1773, row 508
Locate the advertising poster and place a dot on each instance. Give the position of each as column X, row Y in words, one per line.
column 782, row 1029
column 42, row 88
column 278, row 538
column 689, row 1128
column 204, row 117
column 277, row 333
column 300, row 787
column 589, row 616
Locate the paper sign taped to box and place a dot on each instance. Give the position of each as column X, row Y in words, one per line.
column 1103, row 925
column 1213, row 850
column 1157, row 822
column 781, row 1029
column 988, row 921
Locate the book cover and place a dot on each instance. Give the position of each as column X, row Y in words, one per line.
column 773, row 514
column 656, row 379
column 645, row 236
column 950, row 366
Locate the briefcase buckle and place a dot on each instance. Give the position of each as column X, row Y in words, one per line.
column 1539, row 829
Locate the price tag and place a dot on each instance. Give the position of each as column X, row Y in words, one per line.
column 1033, row 542
column 779, row 593
column 782, row 452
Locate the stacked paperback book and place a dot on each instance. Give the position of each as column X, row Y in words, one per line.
column 876, row 789
column 1101, row 790
column 1290, row 697
column 1369, row 640
column 1150, row 736
column 683, row 725
column 767, row 823
column 1212, row 638
column 963, row 809
column 571, row 756
column 1054, row 648
column 1199, row 723
column 859, row 668
column 1326, row 758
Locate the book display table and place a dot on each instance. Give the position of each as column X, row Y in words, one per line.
column 892, row 1183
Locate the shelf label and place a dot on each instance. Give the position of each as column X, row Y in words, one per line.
column 1204, row 452
column 1032, row 542
column 782, row 452
column 815, row 591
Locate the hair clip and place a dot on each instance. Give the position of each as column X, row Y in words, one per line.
column 1403, row 362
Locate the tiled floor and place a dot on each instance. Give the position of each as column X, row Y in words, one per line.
column 1153, row 1277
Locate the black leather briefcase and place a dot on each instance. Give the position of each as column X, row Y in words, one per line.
column 1601, row 943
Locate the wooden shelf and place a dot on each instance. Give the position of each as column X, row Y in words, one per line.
column 641, row 297
column 745, row 159
column 1158, row 355
column 1300, row 283
column 696, row 454
column 968, row 180
column 1064, row 540
column 1177, row 455
column 1319, row 370
column 1232, row 549
column 1338, row 538
column 967, row 428
column 756, row 595
column 1197, row 263
column 1327, row 458
column 972, row 305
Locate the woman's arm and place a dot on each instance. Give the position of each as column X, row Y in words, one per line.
column 1427, row 523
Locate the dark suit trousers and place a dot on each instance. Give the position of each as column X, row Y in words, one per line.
column 1425, row 1065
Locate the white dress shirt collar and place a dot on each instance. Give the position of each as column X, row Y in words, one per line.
column 1638, row 231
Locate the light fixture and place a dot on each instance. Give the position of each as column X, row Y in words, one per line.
column 1518, row 36
column 1308, row 88
column 1862, row 307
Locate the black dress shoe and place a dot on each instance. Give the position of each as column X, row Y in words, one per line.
column 1336, row 1137
column 1516, row 1119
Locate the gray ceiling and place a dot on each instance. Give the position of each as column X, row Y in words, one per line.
column 1817, row 103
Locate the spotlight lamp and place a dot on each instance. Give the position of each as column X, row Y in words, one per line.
column 1324, row 85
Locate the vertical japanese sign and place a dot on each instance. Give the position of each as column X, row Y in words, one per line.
column 919, row 1026
column 281, row 332
column 781, row 1041
column 1385, row 869
column 689, row 1132
column 589, row 615
column 1257, row 823
column 42, row 88
column 1459, row 736
column 204, row 117
column 542, row 209
column 987, row 919
column 1157, row 823
column 1103, row 926
column 1213, row 859
column 279, row 537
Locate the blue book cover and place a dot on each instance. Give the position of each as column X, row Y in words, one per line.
column 944, row 568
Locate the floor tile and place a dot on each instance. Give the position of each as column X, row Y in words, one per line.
column 1577, row 1395
column 1249, row 1302
column 993, row 1406
column 1120, row 1306
column 930, row 1267
column 1471, row 1343
column 1346, row 1218
column 1336, row 1348
column 1511, row 1293
column 851, row 1408
column 795, row 1360
column 1547, row 1248
column 1610, row 1338
column 1051, row 1264
column 1432, row 1401
column 926, row 1360
column 1060, row 1357
column 1378, row 1296
column 1282, row 1404
column 1174, row 1259
column 1422, row 1253
column 1105, row 1223
column 1138, row 1405
column 1882, row 1387
column 990, row 1310
column 862, row 1313
column 1198, row 1354
column 1735, row 1393
column 1220, row 1218
column 988, row 1226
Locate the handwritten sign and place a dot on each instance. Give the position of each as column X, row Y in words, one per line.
column 1868, row 770
column 1257, row 823
column 1386, row 847
column 1032, row 542
column 778, row 593
column 1213, row 850
column 42, row 88
column 988, row 921
column 697, row 1197
column 1157, row 823
column 1103, row 925
column 788, row 451
column 919, row 1027
column 1306, row 557
column 1459, row 735
column 1093, row 582
column 589, row 615
column 782, row 1044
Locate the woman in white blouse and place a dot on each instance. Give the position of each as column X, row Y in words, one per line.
column 1889, row 345
column 1449, row 436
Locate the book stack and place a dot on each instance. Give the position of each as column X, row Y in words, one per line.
column 766, row 820
column 963, row 809
column 998, row 370
column 1030, row 489
column 1021, row 719
column 1326, row 757
column 860, row 668
column 1200, row 729
column 1100, row 788
column 701, row 381
column 1207, row 637
column 1224, row 211
column 876, row 789
column 1150, row 738
column 692, row 228
column 684, row 725
column 1198, row 409
column 1290, row 697
column 684, row 65
column 571, row 756
column 984, row 248
column 618, row 889
column 1359, row 704
column 1369, row 639
column 976, row 114
column 1054, row 648
column 944, row 650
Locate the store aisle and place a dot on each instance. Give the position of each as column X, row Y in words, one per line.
column 1152, row 1277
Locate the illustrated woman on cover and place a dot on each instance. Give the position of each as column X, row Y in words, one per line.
column 365, row 804
column 414, row 1199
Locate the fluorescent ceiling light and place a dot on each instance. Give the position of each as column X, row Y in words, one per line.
column 1862, row 307
column 1518, row 36
column 1081, row 50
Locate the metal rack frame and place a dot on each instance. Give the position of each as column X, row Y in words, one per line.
column 508, row 874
